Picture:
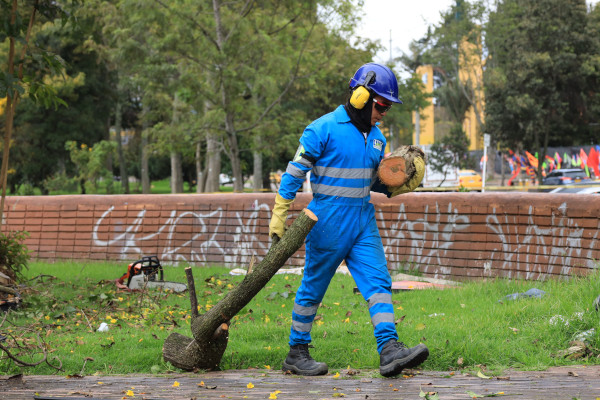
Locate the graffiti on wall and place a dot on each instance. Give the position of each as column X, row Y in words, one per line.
column 241, row 245
column 430, row 237
column 552, row 249
column 427, row 241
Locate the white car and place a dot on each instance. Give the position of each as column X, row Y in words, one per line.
column 581, row 187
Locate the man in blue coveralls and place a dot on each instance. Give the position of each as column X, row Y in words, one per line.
column 343, row 150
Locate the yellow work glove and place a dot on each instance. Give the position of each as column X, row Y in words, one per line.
column 413, row 182
column 280, row 212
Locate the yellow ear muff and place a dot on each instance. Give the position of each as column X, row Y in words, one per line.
column 359, row 97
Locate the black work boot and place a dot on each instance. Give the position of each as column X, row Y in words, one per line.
column 299, row 361
column 395, row 356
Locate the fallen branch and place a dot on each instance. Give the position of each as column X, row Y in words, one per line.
column 210, row 330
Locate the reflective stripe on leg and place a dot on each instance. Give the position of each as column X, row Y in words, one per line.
column 382, row 318
column 302, row 320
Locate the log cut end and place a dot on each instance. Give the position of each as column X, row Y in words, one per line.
column 189, row 354
column 310, row 214
column 398, row 168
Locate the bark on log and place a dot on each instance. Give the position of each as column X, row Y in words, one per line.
column 210, row 330
column 398, row 168
column 192, row 291
column 8, row 290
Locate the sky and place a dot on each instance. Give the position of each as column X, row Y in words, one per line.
column 406, row 20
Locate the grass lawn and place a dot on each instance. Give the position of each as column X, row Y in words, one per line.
column 472, row 327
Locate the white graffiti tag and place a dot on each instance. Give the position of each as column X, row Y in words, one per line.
column 540, row 250
column 186, row 236
column 430, row 237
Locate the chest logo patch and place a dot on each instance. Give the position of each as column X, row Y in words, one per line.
column 378, row 144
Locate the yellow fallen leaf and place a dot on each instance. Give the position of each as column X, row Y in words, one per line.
column 272, row 396
column 249, row 385
column 482, row 376
column 337, row 375
column 129, row 393
column 176, row 384
column 201, row 383
column 267, row 366
column 420, row 326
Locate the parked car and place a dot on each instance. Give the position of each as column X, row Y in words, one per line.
column 565, row 176
column 588, row 186
column 469, row 179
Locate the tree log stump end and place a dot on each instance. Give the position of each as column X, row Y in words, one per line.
column 398, row 168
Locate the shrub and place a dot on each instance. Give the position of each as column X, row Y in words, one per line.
column 14, row 255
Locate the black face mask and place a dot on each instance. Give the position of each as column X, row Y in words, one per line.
column 360, row 118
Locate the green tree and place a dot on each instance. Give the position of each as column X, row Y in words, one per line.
column 27, row 66
column 450, row 151
column 91, row 164
column 542, row 61
column 82, row 82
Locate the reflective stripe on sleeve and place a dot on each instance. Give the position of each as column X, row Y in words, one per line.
column 295, row 171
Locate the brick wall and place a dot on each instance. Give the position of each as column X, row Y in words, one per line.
column 443, row 235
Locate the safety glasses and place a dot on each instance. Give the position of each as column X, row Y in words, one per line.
column 381, row 107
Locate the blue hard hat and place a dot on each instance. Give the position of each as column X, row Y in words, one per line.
column 381, row 81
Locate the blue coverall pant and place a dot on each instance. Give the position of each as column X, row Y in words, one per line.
column 344, row 233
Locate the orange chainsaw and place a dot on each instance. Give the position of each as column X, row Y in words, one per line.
column 147, row 273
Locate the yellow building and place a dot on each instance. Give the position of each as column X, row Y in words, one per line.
column 431, row 122
column 423, row 121
column 471, row 75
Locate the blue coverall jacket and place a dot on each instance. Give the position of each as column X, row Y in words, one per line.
column 343, row 164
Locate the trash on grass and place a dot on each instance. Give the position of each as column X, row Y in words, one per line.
column 103, row 327
column 585, row 336
column 530, row 293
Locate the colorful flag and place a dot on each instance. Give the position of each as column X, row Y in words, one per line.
column 583, row 157
column 533, row 161
column 594, row 161
column 557, row 159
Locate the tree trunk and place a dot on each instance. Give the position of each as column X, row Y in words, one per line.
column 176, row 173
column 200, row 175
column 176, row 169
column 234, row 155
column 213, row 164
column 257, row 171
column 119, row 139
column 396, row 169
column 205, row 349
column 144, row 171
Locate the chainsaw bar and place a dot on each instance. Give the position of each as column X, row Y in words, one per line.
column 140, row 282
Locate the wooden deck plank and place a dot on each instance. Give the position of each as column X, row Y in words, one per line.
column 581, row 382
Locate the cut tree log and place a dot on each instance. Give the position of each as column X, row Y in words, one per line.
column 205, row 350
column 398, row 168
